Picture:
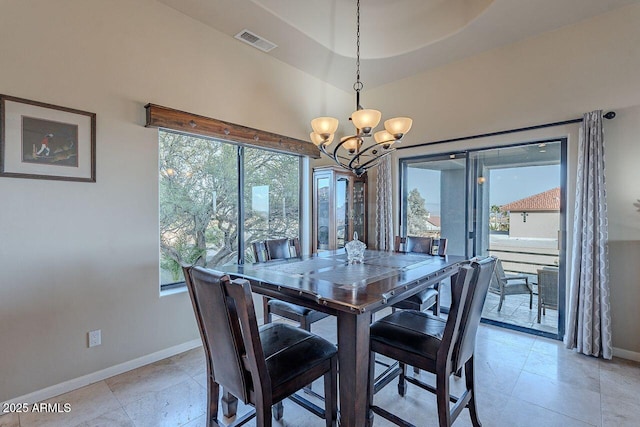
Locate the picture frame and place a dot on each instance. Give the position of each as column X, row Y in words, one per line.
column 44, row 141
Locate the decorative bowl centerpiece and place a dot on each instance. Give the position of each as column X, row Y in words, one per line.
column 355, row 250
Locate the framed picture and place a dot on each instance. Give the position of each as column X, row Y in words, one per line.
column 43, row 141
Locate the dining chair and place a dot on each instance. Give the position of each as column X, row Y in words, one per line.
column 429, row 297
column 504, row 284
column 274, row 249
column 547, row 290
column 436, row 345
column 260, row 366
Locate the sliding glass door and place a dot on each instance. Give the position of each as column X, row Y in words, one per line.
column 519, row 194
column 507, row 202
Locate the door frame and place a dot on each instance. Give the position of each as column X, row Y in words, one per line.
column 470, row 217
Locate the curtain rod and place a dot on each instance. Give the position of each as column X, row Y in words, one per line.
column 609, row 115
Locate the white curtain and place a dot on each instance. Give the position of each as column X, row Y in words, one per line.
column 384, row 216
column 589, row 324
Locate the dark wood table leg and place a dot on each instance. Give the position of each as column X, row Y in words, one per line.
column 353, row 360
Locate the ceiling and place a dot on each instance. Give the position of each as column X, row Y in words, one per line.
column 399, row 38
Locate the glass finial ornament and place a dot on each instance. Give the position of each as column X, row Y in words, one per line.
column 355, row 250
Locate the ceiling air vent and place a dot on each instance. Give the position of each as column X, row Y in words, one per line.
column 255, row 40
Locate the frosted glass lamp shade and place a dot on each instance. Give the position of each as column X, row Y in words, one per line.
column 350, row 144
column 324, row 125
column 398, row 126
column 383, row 137
column 318, row 139
column 366, row 119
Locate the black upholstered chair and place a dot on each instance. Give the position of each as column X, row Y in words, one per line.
column 429, row 297
column 283, row 249
column 260, row 366
column 436, row 345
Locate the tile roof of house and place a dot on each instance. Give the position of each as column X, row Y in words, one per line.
column 435, row 220
column 545, row 201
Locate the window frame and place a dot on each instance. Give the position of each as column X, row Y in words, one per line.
column 175, row 121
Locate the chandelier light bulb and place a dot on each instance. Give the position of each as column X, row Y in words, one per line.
column 398, row 126
column 324, row 126
column 318, row 139
column 366, row 119
column 350, row 144
column 384, row 137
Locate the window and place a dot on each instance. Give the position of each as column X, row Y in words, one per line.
column 200, row 201
column 271, row 196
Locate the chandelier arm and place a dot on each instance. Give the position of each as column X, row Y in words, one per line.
column 369, row 163
column 372, row 147
column 335, row 157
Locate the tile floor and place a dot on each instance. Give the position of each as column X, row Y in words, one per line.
column 522, row 381
column 515, row 311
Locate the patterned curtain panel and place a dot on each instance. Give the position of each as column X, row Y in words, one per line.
column 384, row 216
column 589, row 327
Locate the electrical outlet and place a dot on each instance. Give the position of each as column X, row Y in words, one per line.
column 95, row 338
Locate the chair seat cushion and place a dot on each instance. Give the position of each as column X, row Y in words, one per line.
column 516, row 289
column 290, row 351
column 420, row 301
column 287, row 309
column 410, row 330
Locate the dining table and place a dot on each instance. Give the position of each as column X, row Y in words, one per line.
column 352, row 292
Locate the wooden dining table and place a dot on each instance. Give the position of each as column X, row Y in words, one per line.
column 352, row 292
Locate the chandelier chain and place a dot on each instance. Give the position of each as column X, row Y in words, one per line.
column 357, row 86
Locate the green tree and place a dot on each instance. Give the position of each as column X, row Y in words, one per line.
column 417, row 214
column 497, row 219
column 199, row 200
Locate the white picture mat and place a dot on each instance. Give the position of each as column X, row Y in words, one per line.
column 14, row 111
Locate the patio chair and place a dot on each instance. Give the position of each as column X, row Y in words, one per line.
column 547, row 290
column 504, row 284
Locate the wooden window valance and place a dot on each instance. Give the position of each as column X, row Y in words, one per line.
column 168, row 118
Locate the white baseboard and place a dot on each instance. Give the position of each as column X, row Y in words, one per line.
column 67, row 386
column 626, row 354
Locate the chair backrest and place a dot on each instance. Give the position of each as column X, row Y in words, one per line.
column 548, row 286
column 499, row 278
column 282, row 248
column 229, row 329
column 467, row 300
column 275, row 249
column 413, row 244
column 442, row 247
column 459, row 294
column 260, row 252
column 500, row 274
column 472, row 310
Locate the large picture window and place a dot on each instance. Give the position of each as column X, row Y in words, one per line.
column 201, row 201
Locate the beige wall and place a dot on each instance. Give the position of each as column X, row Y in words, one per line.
column 544, row 225
column 554, row 77
column 78, row 256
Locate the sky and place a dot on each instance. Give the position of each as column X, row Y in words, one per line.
column 505, row 185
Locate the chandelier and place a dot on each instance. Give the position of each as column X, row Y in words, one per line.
column 358, row 152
